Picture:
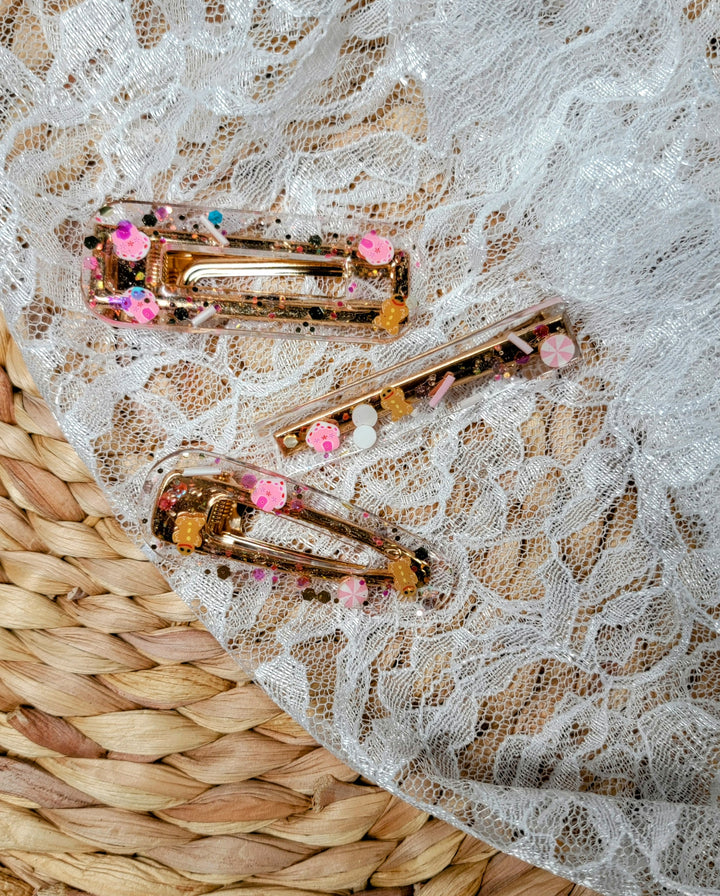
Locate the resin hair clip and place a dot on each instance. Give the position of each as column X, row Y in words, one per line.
column 204, row 504
column 442, row 381
column 202, row 270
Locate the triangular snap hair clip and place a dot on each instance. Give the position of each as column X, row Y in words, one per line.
column 417, row 392
column 205, row 507
column 182, row 267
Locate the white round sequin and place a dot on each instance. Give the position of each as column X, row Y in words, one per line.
column 364, row 436
column 364, row 415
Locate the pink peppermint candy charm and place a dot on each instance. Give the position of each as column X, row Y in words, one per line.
column 557, row 350
column 375, row 249
column 269, row 494
column 352, row 592
column 323, row 436
column 129, row 242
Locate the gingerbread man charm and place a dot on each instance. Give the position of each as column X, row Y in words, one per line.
column 404, row 579
column 186, row 533
column 393, row 312
column 393, row 400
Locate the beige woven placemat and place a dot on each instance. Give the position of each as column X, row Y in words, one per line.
column 138, row 759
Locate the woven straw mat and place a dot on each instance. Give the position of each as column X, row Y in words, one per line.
column 139, row 760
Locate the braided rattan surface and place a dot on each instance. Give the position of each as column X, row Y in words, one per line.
column 138, row 759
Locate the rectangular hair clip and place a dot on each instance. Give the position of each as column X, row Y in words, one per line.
column 441, row 381
column 282, row 532
column 182, row 267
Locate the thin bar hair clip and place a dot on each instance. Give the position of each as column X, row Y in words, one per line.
column 442, row 381
column 181, row 267
column 268, row 526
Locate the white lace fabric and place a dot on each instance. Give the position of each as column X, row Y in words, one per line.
column 566, row 707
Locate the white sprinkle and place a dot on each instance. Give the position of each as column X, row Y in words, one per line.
column 200, row 471
column 471, row 400
column 520, row 343
column 216, row 234
column 204, row 315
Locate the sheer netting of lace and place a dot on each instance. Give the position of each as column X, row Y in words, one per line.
column 565, row 706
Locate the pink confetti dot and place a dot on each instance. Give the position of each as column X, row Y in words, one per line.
column 167, row 501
